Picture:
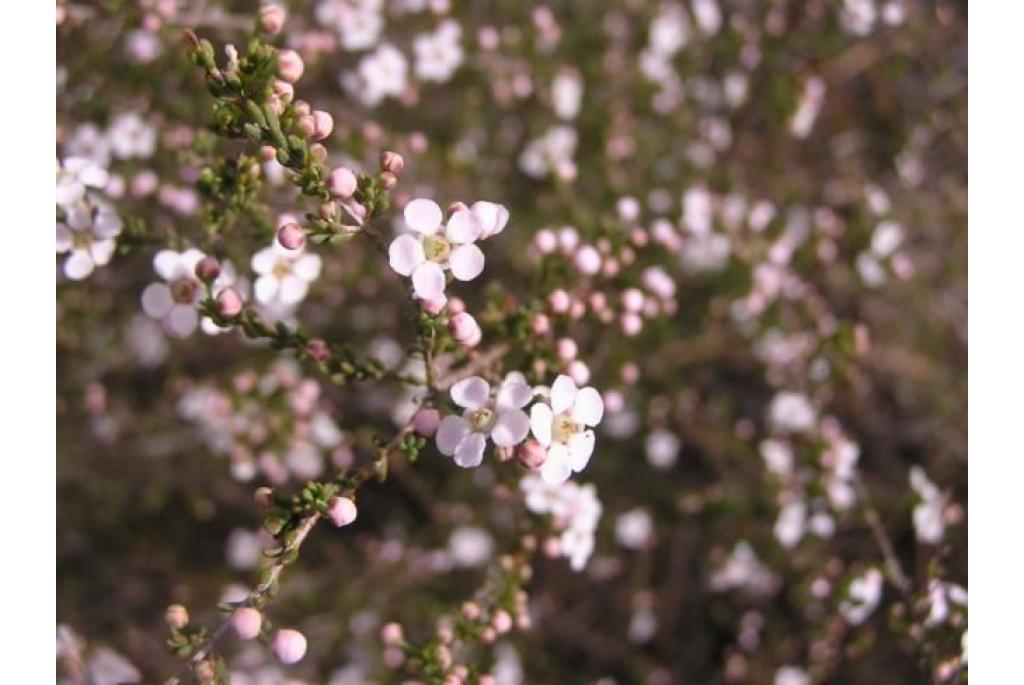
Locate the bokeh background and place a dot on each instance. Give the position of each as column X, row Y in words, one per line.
column 798, row 170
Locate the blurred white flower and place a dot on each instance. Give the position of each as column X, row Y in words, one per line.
column 567, row 93
column 74, row 176
column 634, row 529
column 552, row 153
column 438, row 54
column 791, row 523
column 792, row 412
column 662, row 447
column 928, row 522
column 380, row 74
column 130, row 136
column 791, row 675
column 470, row 546
column 88, row 235
column 864, row 594
column 358, row 22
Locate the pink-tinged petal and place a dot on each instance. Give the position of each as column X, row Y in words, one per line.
column 293, row 289
column 307, row 266
column 69, row 192
column 463, row 227
column 581, row 446
column 157, row 300
column 189, row 259
column 106, row 225
column 264, row 260
column 492, row 216
column 405, row 254
column 541, row 419
column 167, row 264
column 563, row 394
column 64, row 238
column 182, row 320
column 428, row 281
column 78, row 265
column 471, row 393
column 470, row 451
column 556, row 469
column 79, row 218
column 101, row 251
column 450, row 433
column 266, row 288
column 93, row 175
column 588, row 407
column 423, row 216
column 514, row 394
column 511, row 428
column 467, row 262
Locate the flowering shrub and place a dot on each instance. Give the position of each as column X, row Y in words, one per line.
column 673, row 394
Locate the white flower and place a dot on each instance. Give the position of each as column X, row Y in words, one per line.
column 742, row 569
column 358, row 22
column 173, row 302
column 669, row 31
column 634, row 528
column 425, row 254
column 131, row 136
column 567, row 93
column 470, row 546
column 928, row 522
column 563, row 427
column 886, row 239
column 574, row 510
column 792, row 522
column 778, row 457
column 381, row 74
column 662, row 449
column 438, row 54
column 792, row 675
column 791, row 412
column 87, row 233
column 864, row 594
column 284, row 275
column 499, row 416
column 551, row 153
column 74, row 176
column 90, row 142
column 228, row 277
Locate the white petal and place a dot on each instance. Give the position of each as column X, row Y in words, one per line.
column 556, row 469
column 307, row 266
column 405, row 254
column 293, row 289
column 463, row 227
column 470, row 451
column 157, row 300
column 182, row 320
column 492, row 216
column 450, row 433
column 588, row 406
column 64, row 238
column 167, row 264
column 471, row 393
column 93, row 175
column 514, row 394
column 189, row 259
column 511, row 428
column 69, row 192
column 467, row 261
column 541, row 419
column 428, row 281
column 563, row 394
column 266, row 288
column 264, row 260
column 78, row 265
column 107, row 224
column 581, row 446
column 423, row 216
column 79, row 217
column 101, row 251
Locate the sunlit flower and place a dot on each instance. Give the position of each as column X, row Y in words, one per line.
column 87, row 234
column 438, row 54
column 284, row 275
column 498, row 415
column 562, row 425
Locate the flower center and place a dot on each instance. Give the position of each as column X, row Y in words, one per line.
column 564, row 428
column 81, row 240
column 282, row 269
column 482, row 418
column 436, row 248
column 183, row 291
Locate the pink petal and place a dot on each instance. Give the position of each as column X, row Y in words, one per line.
column 307, row 266
column 541, row 419
column 450, row 433
column 471, row 393
column 78, row 265
column 511, row 428
column 581, row 446
column 64, row 238
column 492, row 216
column 563, row 394
column 588, row 407
column 293, row 289
column 556, row 469
column 423, row 216
column 167, row 264
column 405, row 254
column 266, row 288
column 514, row 394
column 463, row 227
column 182, row 320
column 470, row 451
column 428, row 281
column 157, row 300
column 467, row 261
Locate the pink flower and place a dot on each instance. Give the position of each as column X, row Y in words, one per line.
column 342, row 511
column 247, row 621
column 272, row 18
column 342, row 182
column 465, row 329
column 289, row 646
column 498, row 416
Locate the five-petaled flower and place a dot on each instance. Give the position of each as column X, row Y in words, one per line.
column 174, row 302
column 498, row 415
column 87, row 233
column 284, row 275
column 562, row 425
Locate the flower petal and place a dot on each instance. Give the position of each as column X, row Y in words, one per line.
column 293, row 289
column 467, row 261
column 471, row 393
column 588, row 406
column 470, row 452
column 157, row 300
column 266, row 288
column 428, row 281
column 78, row 265
column 581, row 446
column 511, row 428
column 563, row 394
column 492, row 217
column 182, row 320
column 556, row 469
column 64, row 238
column 167, row 264
column 263, row 261
column 307, row 266
column 541, row 418
column 463, row 227
column 423, row 216
column 450, row 433
column 514, row 394
column 406, row 253
column 101, row 251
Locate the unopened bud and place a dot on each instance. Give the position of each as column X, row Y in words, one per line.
column 176, row 617
column 207, row 269
column 323, row 124
column 388, row 180
column 263, row 496
column 342, row 183
column 342, row 511
column 531, row 454
column 392, row 162
column 230, row 303
column 290, row 65
column 289, row 646
column 247, row 621
column 272, row 18
column 318, row 349
column 291, row 236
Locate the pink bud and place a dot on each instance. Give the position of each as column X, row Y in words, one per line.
column 579, row 372
column 247, row 621
column 559, row 301
column 284, row 91
column 318, row 151
column 541, row 324
column 587, row 260
column 290, row 65
column 486, row 679
column 388, row 180
column 291, row 236
column 342, row 182
column 465, row 329
column 545, row 241
column 207, row 269
column 272, row 18
column 501, row 621
column 631, row 323
column 301, row 108
column 342, row 511
column 426, row 421
column 289, row 646
column 456, row 305
column 566, row 349
column 230, row 303
column 305, row 125
column 434, row 307
column 318, row 349
column 471, row 611
column 392, row 162
column 323, row 124
column 531, row 454
column 391, row 633
column 630, row 373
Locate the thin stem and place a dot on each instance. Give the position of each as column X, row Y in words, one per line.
column 874, row 521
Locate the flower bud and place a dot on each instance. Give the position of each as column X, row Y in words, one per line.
column 388, row 180
column 434, row 307
column 465, row 329
column 342, row 182
column 289, row 646
column 531, row 454
column 301, row 108
column 323, row 124
column 290, row 65
column 291, row 236
column 392, row 162
column 207, row 269
column 230, row 303
column 205, row 672
column 501, row 621
column 318, row 151
column 566, row 349
column 426, row 421
column 272, row 18
column 342, row 511
column 263, row 496
column 305, row 125
column 176, row 617
column 284, row 92
column 391, row 633
column 318, row 349
column 559, row 301
column 541, row 324
column 247, row 621
column 470, row 611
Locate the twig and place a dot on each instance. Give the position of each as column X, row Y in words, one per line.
column 874, row 521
